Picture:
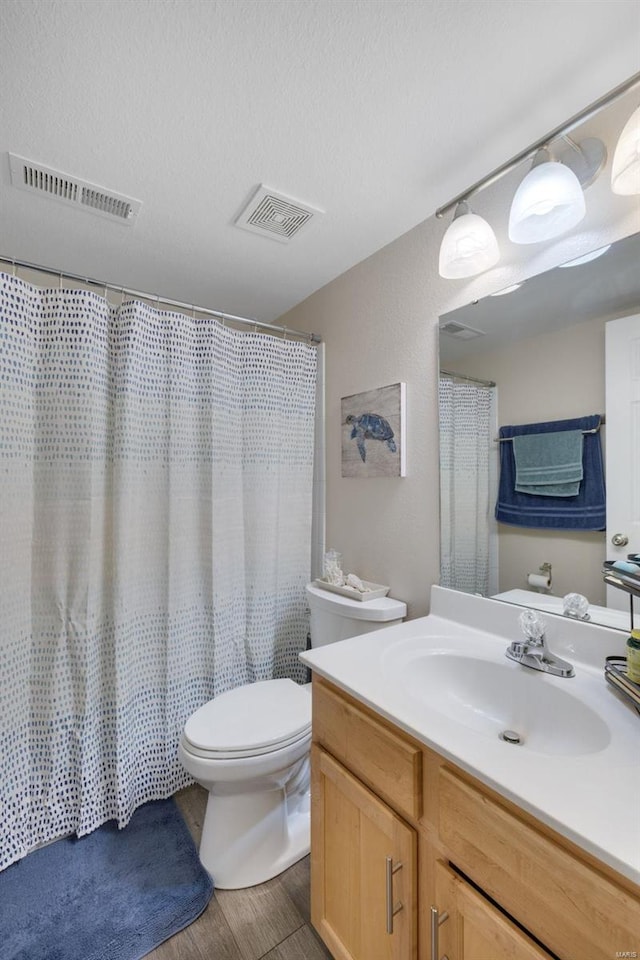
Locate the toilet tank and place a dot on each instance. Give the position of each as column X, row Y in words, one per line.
column 334, row 617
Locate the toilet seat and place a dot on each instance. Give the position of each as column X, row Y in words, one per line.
column 250, row 720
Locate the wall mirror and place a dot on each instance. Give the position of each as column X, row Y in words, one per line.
column 534, row 354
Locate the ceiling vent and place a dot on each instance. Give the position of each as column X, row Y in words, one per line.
column 273, row 215
column 46, row 182
column 460, row 331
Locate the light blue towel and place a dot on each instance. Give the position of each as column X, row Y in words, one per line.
column 549, row 464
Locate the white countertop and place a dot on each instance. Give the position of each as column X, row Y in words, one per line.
column 591, row 798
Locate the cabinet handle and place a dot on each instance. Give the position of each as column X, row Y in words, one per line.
column 391, row 909
column 436, row 920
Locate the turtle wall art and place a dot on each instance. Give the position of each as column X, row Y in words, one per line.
column 373, row 435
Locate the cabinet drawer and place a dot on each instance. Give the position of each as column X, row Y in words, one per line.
column 474, row 928
column 568, row 905
column 386, row 761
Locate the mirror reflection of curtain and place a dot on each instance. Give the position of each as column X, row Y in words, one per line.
column 468, row 544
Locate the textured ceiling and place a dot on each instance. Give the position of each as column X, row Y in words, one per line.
column 375, row 111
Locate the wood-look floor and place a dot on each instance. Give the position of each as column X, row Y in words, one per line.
column 267, row 922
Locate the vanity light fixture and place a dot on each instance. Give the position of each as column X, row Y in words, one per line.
column 625, row 172
column 548, row 202
column 550, row 199
column 468, row 247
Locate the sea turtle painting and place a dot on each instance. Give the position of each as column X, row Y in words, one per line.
column 370, row 426
column 375, row 420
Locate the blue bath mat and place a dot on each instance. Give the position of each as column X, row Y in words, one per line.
column 112, row 895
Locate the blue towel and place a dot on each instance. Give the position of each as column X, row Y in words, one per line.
column 585, row 511
column 549, row 464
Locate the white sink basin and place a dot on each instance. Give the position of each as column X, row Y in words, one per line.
column 491, row 696
column 445, row 680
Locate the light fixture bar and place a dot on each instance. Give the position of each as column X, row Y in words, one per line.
column 530, row 151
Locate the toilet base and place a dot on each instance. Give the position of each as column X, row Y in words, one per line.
column 263, row 834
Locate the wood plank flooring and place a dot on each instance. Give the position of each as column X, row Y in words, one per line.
column 267, row 922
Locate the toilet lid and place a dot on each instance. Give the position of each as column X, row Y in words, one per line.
column 251, row 719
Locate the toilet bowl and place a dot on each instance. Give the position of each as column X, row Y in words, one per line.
column 249, row 748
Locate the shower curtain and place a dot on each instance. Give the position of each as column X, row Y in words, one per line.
column 155, row 536
column 467, row 541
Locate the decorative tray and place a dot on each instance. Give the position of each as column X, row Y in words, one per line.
column 373, row 590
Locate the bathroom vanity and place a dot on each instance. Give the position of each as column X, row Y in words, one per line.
column 431, row 836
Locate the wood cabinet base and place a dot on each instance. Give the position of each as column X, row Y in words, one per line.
column 400, row 838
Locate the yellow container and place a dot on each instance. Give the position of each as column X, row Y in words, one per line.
column 633, row 656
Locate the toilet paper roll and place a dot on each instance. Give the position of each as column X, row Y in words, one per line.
column 539, row 581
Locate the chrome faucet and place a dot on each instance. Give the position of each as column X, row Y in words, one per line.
column 533, row 650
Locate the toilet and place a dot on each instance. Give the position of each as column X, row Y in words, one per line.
column 249, row 747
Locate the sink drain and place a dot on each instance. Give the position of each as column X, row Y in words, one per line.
column 511, row 736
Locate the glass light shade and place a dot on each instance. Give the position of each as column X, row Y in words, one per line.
column 505, row 290
column 468, row 247
column 587, row 258
column 548, row 202
column 625, row 171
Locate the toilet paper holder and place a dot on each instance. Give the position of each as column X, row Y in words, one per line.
column 541, row 581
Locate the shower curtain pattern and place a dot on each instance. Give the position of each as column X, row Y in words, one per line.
column 155, row 526
column 465, row 514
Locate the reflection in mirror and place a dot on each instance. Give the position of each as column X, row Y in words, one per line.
column 534, row 355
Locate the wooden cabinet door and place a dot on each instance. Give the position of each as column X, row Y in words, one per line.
column 564, row 902
column 353, row 835
column 474, row 928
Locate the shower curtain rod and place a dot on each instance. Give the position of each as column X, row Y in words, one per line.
column 463, row 376
column 118, row 288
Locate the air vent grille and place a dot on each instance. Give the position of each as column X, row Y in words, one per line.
column 276, row 216
column 37, row 179
column 44, row 181
column 460, row 331
column 106, row 203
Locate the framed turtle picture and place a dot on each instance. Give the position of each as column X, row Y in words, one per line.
column 373, row 433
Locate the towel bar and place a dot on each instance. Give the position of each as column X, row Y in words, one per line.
column 595, row 430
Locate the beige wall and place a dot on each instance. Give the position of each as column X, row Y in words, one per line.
column 379, row 321
column 555, row 376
